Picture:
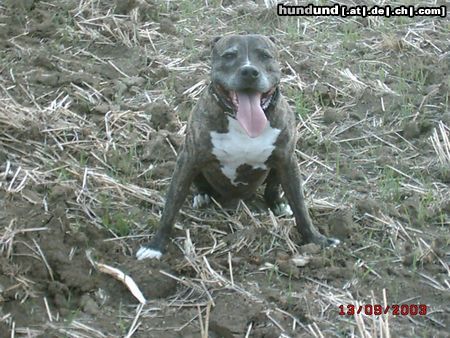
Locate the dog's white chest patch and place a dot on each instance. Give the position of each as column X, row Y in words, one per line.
column 236, row 148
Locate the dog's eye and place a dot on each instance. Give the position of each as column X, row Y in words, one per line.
column 229, row 55
column 265, row 55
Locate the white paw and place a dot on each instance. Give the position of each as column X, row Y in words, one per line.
column 334, row 242
column 201, row 200
column 283, row 209
column 144, row 252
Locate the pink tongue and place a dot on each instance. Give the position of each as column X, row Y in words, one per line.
column 250, row 114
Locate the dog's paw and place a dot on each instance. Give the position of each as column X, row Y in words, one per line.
column 333, row 242
column 201, row 200
column 326, row 242
column 282, row 209
column 146, row 252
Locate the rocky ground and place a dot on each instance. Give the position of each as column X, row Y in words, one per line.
column 94, row 98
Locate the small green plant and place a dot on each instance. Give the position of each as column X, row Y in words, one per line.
column 401, row 86
column 124, row 163
column 73, row 315
column 122, row 323
column 64, row 174
column 329, row 148
column 425, row 203
column 413, row 72
column 117, row 222
column 406, row 109
column 350, row 33
column 83, row 158
column 274, row 273
column 291, row 301
column 302, row 108
column 442, row 217
column 188, row 8
column 390, row 185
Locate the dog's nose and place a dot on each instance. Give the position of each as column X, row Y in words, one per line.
column 249, row 72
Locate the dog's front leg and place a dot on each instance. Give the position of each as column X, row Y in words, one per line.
column 291, row 182
column 185, row 171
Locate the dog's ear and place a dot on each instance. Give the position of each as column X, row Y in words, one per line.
column 214, row 41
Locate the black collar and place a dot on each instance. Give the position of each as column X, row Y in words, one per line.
column 229, row 110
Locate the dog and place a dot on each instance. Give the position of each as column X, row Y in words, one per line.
column 240, row 135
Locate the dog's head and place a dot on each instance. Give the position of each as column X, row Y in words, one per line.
column 245, row 72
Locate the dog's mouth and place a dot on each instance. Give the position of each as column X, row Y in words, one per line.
column 249, row 107
column 264, row 98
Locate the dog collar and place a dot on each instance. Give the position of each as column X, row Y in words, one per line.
column 229, row 110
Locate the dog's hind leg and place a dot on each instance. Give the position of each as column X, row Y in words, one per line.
column 204, row 192
column 272, row 195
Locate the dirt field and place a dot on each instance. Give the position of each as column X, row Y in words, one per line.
column 94, row 98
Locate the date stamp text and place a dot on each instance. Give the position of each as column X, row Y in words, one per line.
column 378, row 309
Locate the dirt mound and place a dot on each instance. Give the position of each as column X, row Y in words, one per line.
column 50, row 262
